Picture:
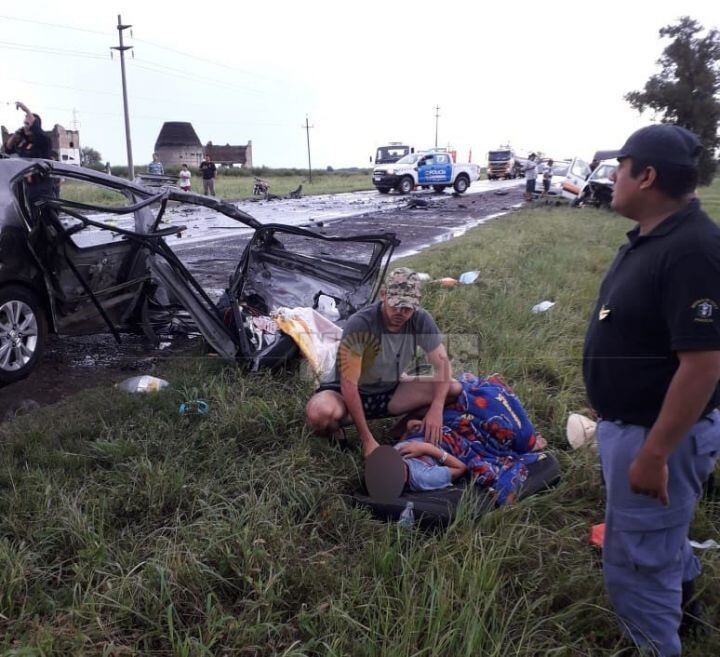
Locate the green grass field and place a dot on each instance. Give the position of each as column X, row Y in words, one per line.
column 235, row 187
column 127, row 529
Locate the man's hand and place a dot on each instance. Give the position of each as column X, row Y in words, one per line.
column 432, row 425
column 648, row 475
column 369, row 444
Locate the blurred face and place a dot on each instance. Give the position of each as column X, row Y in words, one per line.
column 395, row 317
column 628, row 191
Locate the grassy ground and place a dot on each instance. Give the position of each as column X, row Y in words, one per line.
column 126, row 529
column 237, row 187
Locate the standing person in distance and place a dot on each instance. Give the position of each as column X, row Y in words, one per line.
column 209, row 173
column 530, row 177
column 184, row 178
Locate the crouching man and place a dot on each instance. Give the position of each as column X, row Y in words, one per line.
column 378, row 344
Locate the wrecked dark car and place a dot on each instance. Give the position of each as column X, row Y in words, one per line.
column 82, row 252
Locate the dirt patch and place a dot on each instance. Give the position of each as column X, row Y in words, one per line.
column 74, row 364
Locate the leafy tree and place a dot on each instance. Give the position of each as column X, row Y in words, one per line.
column 685, row 92
column 89, row 156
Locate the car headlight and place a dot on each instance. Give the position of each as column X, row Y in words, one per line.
column 391, row 172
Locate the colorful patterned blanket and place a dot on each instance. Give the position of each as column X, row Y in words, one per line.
column 490, row 432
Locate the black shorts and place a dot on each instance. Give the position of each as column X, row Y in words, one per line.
column 530, row 186
column 375, row 405
column 546, row 184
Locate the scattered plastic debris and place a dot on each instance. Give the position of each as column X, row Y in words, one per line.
column 597, row 535
column 327, row 307
column 422, row 276
column 469, row 277
column 194, row 407
column 145, row 383
column 580, row 430
column 542, row 306
column 710, row 544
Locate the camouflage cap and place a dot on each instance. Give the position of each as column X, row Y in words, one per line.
column 402, row 288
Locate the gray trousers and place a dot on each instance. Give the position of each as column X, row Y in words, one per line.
column 646, row 553
column 209, row 186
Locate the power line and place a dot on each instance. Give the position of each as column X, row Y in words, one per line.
column 158, row 99
column 12, row 45
column 64, row 27
column 146, row 41
column 192, row 77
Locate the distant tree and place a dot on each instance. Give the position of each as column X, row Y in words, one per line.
column 329, row 169
column 89, row 156
column 685, row 92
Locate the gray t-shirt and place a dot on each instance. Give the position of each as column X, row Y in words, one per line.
column 385, row 355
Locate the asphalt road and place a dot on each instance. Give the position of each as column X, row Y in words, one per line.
column 211, row 250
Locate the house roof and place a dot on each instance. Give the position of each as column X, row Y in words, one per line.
column 226, row 153
column 177, row 133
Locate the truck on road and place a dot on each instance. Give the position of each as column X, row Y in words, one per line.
column 433, row 168
column 503, row 163
column 392, row 152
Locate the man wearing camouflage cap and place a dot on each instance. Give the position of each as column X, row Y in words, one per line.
column 378, row 344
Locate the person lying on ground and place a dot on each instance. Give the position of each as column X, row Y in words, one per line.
column 427, row 466
column 487, row 431
column 378, row 344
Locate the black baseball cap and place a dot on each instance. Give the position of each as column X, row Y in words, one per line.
column 662, row 143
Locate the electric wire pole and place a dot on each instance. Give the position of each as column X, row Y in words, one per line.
column 437, row 116
column 307, row 127
column 122, row 48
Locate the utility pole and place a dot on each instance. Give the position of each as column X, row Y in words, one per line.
column 437, row 116
column 307, row 127
column 122, row 48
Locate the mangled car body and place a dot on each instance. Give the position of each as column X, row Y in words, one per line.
column 598, row 188
column 82, row 252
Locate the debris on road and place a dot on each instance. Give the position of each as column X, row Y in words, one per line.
column 145, row 383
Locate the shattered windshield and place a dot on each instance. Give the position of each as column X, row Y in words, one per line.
column 604, row 171
column 498, row 156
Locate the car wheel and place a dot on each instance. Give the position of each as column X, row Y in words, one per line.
column 439, row 188
column 23, row 330
column 406, row 184
column 383, row 190
column 461, row 184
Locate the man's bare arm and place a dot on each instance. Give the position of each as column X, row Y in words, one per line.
column 689, row 392
column 442, row 374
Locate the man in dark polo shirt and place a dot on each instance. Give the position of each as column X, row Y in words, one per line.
column 377, row 346
column 651, row 367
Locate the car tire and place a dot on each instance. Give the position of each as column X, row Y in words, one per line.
column 383, row 190
column 439, row 188
column 406, row 184
column 23, row 332
column 461, row 184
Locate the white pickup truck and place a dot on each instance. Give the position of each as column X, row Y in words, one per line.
column 432, row 168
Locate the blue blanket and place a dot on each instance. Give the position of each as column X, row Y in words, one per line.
column 490, row 432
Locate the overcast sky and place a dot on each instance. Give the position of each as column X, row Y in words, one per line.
column 538, row 75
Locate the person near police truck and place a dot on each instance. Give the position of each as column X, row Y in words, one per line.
column 651, row 366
